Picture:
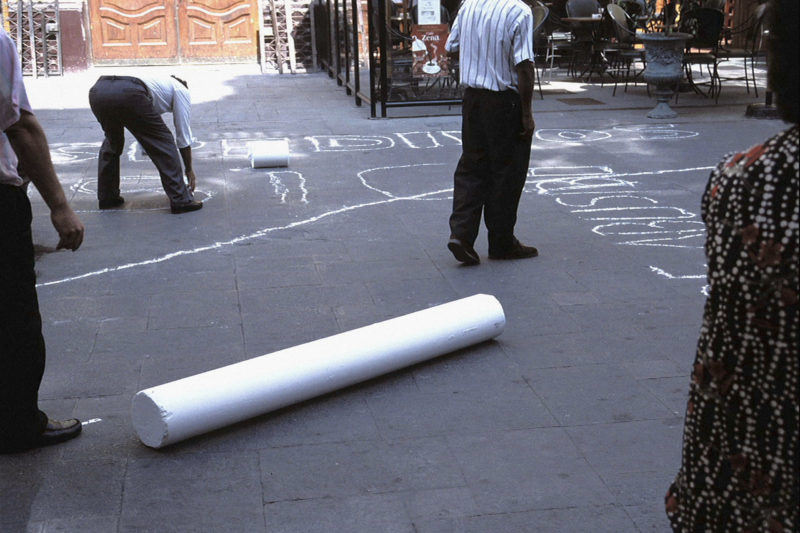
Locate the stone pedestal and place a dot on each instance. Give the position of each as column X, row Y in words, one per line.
column 664, row 56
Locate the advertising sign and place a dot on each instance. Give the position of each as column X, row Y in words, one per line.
column 427, row 48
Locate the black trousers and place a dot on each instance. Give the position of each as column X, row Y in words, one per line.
column 22, row 350
column 492, row 170
column 120, row 102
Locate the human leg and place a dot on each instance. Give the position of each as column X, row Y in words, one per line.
column 104, row 102
column 22, row 350
column 509, row 157
column 469, row 179
column 157, row 141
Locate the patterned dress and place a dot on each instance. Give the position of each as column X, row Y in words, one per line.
column 739, row 470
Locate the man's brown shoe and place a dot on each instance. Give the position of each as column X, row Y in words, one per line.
column 517, row 251
column 462, row 252
column 111, row 203
column 185, row 208
column 58, row 431
column 55, row 432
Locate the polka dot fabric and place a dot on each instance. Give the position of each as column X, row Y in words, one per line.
column 739, row 471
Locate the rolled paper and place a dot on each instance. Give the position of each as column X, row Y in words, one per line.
column 191, row 406
column 265, row 154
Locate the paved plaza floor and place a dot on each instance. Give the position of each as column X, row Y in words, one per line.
column 569, row 421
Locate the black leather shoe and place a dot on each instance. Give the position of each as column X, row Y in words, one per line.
column 517, row 251
column 112, row 203
column 55, row 432
column 466, row 254
column 186, row 208
column 58, row 431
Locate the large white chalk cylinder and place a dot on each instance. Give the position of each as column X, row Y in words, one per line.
column 194, row 405
column 273, row 153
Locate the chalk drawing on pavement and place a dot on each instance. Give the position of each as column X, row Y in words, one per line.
column 350, row 143
column 234, row 144
column 69, row 153
column 134, row 185
column 280, row 181
column 616, row 208
column 643, row 132
column 583, row 190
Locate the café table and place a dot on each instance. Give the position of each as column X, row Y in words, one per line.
column 590, row 27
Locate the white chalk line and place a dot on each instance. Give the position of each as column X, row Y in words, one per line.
column 91, row 421
column 237, row 240
column 264, row 231
column 282, row 190
column 80, row 152
column 605, row 173
column 705, row 290
column 388, row 194
column 662, row 272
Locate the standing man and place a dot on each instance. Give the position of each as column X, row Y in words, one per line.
column 120, row 102
column 22, row 350
column 495, row 42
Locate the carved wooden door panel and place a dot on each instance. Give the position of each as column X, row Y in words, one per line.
column 217, row 29
column 133, row 30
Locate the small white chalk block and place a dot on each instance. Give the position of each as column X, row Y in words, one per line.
column 265, row 154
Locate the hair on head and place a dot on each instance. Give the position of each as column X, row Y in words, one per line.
column 182, row 82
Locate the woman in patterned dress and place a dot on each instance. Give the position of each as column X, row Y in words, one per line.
column 739, row 470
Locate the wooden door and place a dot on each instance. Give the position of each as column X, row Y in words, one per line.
column 217, row 29
column 172, row 31
column 133, row 30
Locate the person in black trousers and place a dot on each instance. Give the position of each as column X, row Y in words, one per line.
column 136, row 103
column 23, row 145
column 495, row 44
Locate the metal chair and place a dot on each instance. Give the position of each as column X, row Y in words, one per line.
column 558, row 37
column 702, row 50
column 540, row 14
column 583, row 35
column 754, row 30
column 582, row 8
column 636, row 10
column 623, row 53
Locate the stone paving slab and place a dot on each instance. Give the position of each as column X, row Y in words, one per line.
column 569, row 421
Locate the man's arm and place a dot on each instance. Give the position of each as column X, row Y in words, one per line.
column 181, row 116
column 29, row 142
column 527, row 80
column 186, row 155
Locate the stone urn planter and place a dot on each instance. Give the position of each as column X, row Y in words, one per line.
column 664, row 57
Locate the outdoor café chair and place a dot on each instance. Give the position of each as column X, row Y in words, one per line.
column 623, row 54
column 702, row 50
column 754, row 48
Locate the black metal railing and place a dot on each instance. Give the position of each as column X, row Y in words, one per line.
column 372, row 47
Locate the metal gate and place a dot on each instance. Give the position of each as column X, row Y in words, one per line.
column 34, row 26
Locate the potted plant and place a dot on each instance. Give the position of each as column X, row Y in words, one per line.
column 664, row 59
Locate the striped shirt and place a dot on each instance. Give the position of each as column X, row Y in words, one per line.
column 492, row 38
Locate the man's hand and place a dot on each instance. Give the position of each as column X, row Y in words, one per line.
column 527, row 76
column 186, row 155
column 528, row 125
column 69, row 227
column 30, row 144
column 192, row 179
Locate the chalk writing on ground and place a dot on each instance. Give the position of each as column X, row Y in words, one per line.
column 608, row 201
column 132, row 185
column 234, row 144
